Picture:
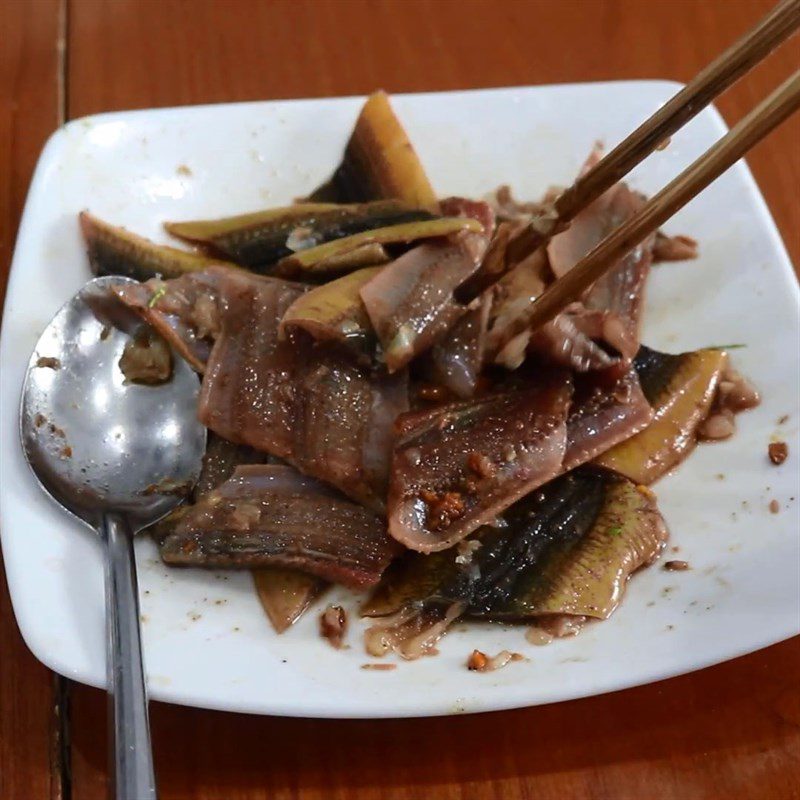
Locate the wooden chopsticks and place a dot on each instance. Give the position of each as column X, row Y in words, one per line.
column 777, row 26
column 753, row 47
column 783, row 102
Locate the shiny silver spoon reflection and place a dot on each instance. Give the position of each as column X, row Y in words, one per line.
column 118, row 456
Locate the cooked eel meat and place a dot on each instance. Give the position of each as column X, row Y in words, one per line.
column 411, row 302
column 220, row 461
column 264, row 237
column 674, row 248
column 681, row 389
column 579, row 338
column 286, row 593
column 335, row 312
column 619, row 294
column 269, row 515
column 461, row 465
column 621, row 289
column 305, row 402
column 309, row 403
column 379, row 162
column 184, row 310
column 583, row 340
column 565, row 550
column 456, row 361
column 248, row 393
column 368, row 248
column 116, row 251
column 605, row 411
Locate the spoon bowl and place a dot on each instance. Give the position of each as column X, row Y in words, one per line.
column 96, row 441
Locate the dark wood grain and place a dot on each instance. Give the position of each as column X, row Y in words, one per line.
column 658, row 209
column 28, row 114
column 728, row 731
column 773, row 30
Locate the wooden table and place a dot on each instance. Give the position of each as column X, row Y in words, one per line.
column 728, row 731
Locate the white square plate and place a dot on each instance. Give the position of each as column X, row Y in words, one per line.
column 207, row 641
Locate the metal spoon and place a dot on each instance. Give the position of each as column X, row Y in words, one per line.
column 118, row 456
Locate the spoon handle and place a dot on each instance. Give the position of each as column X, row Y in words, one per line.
column 130, row 734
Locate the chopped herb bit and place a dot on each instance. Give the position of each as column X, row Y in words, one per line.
column 615, row 531
column 157, row 295
column 726, row 346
